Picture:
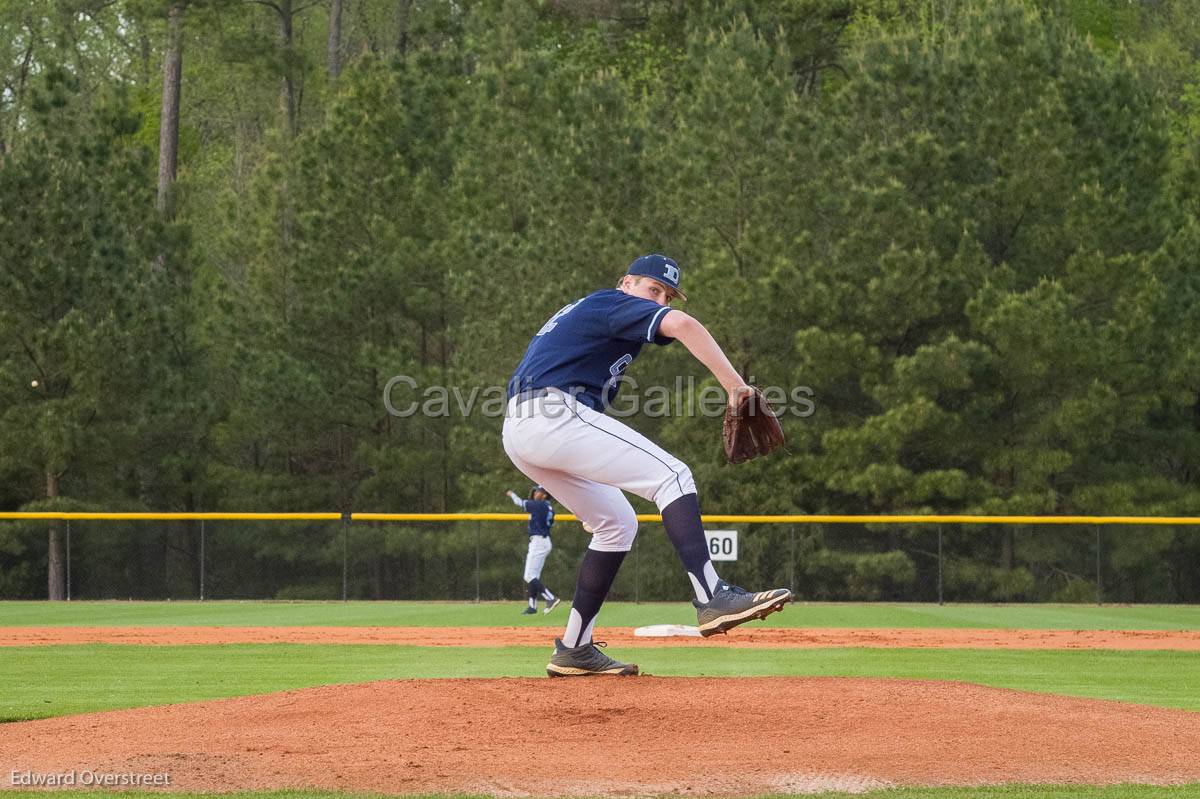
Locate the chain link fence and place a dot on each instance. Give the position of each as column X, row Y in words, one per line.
column 482, row 559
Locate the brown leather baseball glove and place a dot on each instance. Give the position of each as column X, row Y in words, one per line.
column 751, row 429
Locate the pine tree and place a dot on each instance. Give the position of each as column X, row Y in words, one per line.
column 82, row 313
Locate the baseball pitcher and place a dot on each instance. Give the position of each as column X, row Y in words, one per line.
column 556, row 433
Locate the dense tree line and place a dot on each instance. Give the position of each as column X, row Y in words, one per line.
column 962, row 236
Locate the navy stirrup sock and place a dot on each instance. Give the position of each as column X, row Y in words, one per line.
column 596, row 575
column 685, row 530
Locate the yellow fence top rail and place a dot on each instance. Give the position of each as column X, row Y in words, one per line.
column 163, row 517
column 643, row 517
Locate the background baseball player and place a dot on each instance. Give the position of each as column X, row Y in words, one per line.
column 556, row 433
column 541, row 519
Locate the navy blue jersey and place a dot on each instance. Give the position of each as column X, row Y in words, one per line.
column 541, row 516
column 585, row 347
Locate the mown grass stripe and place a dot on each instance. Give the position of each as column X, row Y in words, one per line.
column 38, row 682
column 618, row 614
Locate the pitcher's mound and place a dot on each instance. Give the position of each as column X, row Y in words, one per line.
column 621, row 736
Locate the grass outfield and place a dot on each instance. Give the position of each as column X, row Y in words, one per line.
column 1004, row 792
column 38, row 682
column 620, row 614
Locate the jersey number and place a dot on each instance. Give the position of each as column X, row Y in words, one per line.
column 553, row 323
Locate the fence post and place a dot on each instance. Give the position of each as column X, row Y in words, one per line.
column 1099, row 591
column 201, row 560
column 940, row 598
column 637, row 571
column 792, row 559
column 345, row 557
column 477, row 592
column 68, row 560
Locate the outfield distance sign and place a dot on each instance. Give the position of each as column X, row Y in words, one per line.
column 722, row 544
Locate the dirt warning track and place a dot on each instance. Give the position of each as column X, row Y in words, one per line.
column 749, row 636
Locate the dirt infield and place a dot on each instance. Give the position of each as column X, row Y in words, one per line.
column 773, row 637
column 620, row 736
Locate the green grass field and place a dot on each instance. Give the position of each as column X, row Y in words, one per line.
column 38, row 682
column 617, row 614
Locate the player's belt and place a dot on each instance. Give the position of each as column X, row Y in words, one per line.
column 531, row 393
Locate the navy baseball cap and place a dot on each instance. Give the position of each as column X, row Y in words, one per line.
column 663, row 269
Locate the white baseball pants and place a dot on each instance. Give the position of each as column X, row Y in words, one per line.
column 586, row 459
column 535, row 558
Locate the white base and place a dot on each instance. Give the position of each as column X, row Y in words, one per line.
column 667, row 630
